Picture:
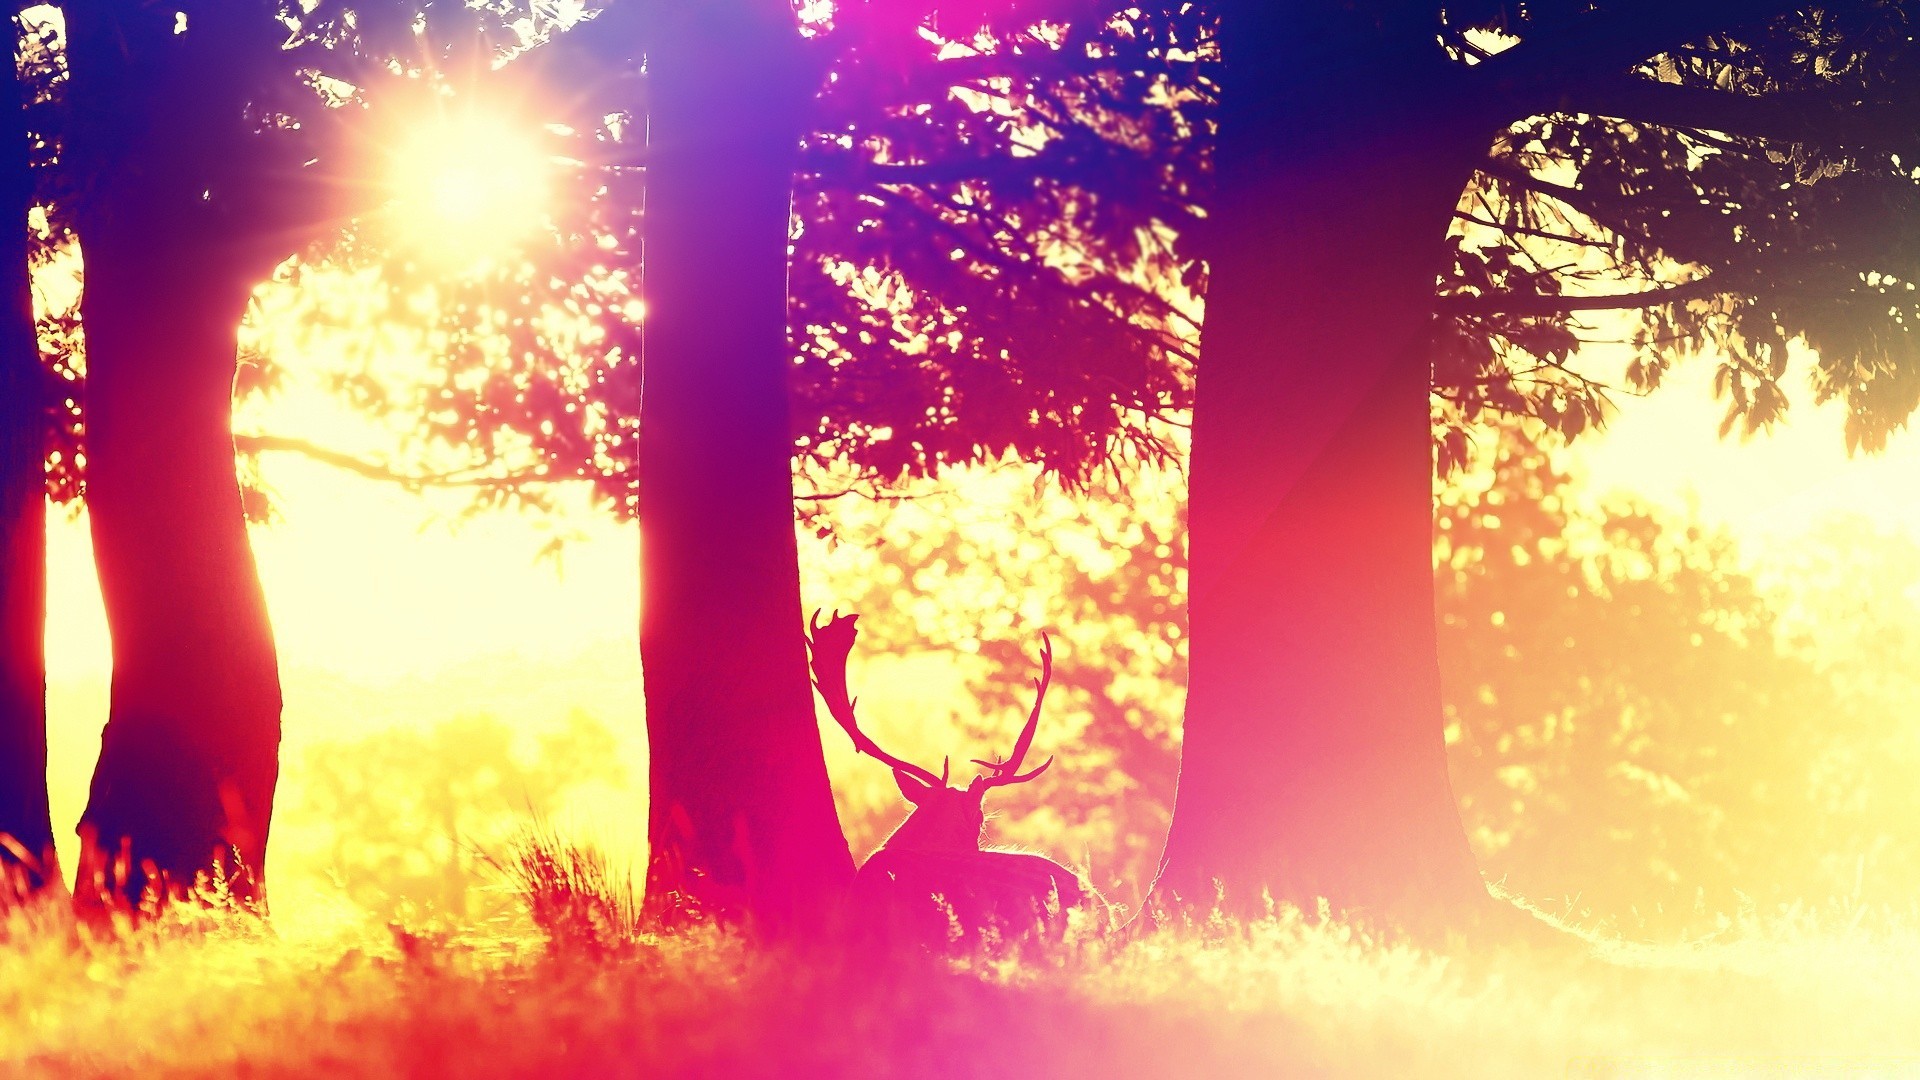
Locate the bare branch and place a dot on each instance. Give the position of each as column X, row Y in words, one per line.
column 1522, row 230
column 374, row 470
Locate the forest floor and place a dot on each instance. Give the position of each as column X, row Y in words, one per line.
column 221, row 995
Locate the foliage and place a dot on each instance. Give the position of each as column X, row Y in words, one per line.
column 984, row 254
column 321, row 82
column 998, row 244
column 1644, row 729
column 994, row 255
column 1855, row 616
column 415, row 816
column 1750, row 188
column 998, row 247
column 1648, row 730
column 1051, row 319
column 975, row 580
column 1630, row 734
column 41, row 63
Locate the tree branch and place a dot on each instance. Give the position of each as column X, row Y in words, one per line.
column 1522, row 230
column 1834, row 121
column 1089, row 164
column 1543, row 304
column 1580, row 202
column 373, row 470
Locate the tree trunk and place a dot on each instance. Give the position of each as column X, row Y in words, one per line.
column 26, row 826
column 189, row 757
column 190, row 754
column 742, row 819
column 1314, row 764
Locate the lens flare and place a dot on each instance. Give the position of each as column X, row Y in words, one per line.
column 468, row 187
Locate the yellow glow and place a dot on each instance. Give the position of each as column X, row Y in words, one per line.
column 387, row 627
column 469, row 185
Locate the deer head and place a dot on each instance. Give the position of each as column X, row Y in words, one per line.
column 944, row 818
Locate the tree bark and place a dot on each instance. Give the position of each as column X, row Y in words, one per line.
column 26, row 825
column 1314, row 764
column 189, row 757
column 742, row 819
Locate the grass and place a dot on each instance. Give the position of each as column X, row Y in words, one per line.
column 198, row 993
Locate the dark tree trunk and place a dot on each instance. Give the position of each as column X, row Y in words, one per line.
column 26, row 827
column 742, row 817
column 189, row 757
column 1314, row 764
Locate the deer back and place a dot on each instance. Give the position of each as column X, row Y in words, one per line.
column 946, row 898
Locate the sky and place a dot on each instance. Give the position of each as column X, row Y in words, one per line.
column 1768, row 489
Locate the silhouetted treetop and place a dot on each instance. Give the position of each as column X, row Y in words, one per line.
column 987, row 261
column 1750, row 188
column 998, row 247
column 998, row 244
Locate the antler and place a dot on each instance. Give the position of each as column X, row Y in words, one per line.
column 829, row 646
column 1006, row 772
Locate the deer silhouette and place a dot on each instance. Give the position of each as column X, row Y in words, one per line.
column 932, row 878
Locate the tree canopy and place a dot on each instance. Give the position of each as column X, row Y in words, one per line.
column 1746, row 189
column 998, row 237
column 997, row 218
column 985, row 263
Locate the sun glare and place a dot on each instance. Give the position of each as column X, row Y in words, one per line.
column 467, row 186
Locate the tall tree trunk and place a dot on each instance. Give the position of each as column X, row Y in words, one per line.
column 189, row 757
column 1313, row 764
column 742, row 817
column 26, row 826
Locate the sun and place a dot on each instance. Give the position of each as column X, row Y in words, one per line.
column 467, row 185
